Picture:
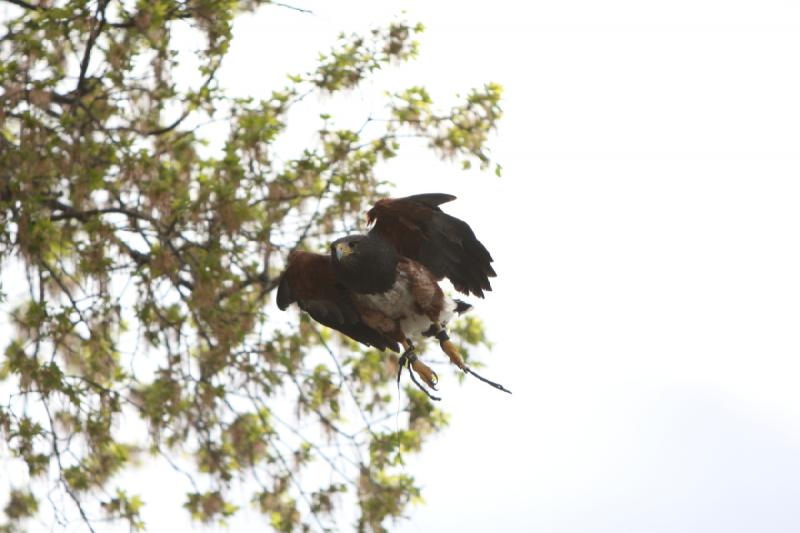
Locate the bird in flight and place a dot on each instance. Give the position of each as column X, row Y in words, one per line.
column 381, row 289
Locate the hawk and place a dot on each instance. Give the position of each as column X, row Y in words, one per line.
column 382, row 289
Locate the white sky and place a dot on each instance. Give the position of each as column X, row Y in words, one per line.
column 646, row 236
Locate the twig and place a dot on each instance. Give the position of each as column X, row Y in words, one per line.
column 25, row 5
column 99, row 22
column 67, row 488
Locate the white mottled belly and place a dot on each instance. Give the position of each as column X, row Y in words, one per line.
column 398, row 304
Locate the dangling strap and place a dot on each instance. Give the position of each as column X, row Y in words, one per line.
column 444, row 337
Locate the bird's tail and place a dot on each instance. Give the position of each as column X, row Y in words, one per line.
column 462, row 306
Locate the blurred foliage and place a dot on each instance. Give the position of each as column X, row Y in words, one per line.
column 148, row 266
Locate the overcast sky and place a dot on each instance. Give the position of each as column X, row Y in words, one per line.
column 647, row 239
column 646, row 233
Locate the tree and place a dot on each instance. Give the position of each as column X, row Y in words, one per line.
column 149, row 260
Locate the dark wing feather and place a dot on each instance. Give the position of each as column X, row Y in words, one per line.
column 446, row 245
column 309, row 281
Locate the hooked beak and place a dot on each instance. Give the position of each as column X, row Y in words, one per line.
column 342, row 250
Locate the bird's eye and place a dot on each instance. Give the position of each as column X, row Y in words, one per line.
column 351, row 245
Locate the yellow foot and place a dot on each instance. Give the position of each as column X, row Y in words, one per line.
column 424, row 371
column 409, row 358
column 452, row 352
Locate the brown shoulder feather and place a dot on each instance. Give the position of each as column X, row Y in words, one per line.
column 446, row 245
column 428, row 296
column 310, row 282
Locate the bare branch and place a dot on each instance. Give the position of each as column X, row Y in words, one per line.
column 25, row 5
column 99, row 21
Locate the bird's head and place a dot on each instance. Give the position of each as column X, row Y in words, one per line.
column 364, row 263
column 348, row 249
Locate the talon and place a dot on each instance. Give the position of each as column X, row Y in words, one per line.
column 452, row 352
column 425, row 372
column 409, row 358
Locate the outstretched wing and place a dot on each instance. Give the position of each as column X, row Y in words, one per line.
column 309, row 281
column 445, row 244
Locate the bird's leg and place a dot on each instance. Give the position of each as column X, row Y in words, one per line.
column 452, row 352
column 401, row 364
column 410, row 358
column 414, row 363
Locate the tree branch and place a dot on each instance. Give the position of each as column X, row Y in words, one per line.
column 25, row 5
column 99, row 22
column 57, row 453
column 69, row 212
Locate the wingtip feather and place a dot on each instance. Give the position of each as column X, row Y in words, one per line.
column 284, row 298
column 432, row 199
